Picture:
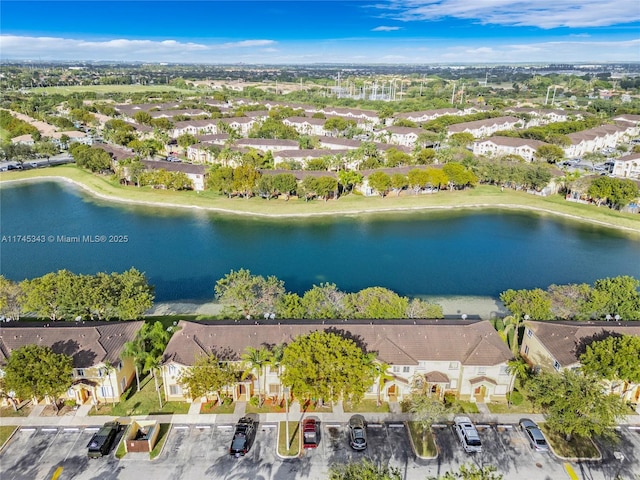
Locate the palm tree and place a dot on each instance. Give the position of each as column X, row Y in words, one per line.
column 152, row 364
column 382, row 376
column 135, row 349
column 512, row 326
column 109, row 369
column 517, row 366
column 277, row 353
column 257, row 358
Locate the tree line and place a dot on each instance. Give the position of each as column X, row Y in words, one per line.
column 246, row 295
column 608, row 298
column 63, row 295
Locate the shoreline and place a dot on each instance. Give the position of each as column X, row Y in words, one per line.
column 453, row 306
column 128, row 201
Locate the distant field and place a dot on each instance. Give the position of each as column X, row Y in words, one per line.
column 109, row 89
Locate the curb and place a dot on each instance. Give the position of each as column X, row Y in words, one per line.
column 413, row 447
column 285, row 457
column 6, row 442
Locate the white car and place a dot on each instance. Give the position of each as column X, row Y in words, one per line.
column 467, row 434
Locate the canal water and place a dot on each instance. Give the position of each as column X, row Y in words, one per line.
column 183, row 253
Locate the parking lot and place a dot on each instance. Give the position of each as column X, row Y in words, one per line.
column 201, row 451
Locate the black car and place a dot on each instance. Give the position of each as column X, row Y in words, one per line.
column 245, row 429
column 357, row 432
column 102, row 441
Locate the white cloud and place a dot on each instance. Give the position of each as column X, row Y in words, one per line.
column 539, row 13
column 55, row 48
column 247, row 43
column 383, row 28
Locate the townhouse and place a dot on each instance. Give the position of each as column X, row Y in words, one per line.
column 559, row 345
column 424, row 116
column 195, row 173
column 267, row 144
column 627, row 166
column 498, row 146
column 307, row 126
column 405, row 136
column 604, row 136
column 99, row 373
column 464, row 358
column 303, row 156
column 486, row 127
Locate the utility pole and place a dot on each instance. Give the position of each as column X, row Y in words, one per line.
column 453, row 94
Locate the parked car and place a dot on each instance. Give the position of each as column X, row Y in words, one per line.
column 245, row 430
column 310, row 433
column 467, row 434
column 534, row 435
column 102, row 441
column 357, row 432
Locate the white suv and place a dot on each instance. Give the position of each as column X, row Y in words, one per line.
column 467, row 434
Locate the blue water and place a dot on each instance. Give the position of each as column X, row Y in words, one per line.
column 183, row 253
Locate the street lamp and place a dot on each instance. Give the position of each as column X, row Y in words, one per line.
column 286, row 400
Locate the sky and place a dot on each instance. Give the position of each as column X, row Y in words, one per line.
column 328, row 31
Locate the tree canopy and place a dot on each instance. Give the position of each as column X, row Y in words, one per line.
column 363, row 470
column 326, row 366
column 207, row 375
column 575, row 403
column 35, row 371
column 249, row 294
column 615, row 358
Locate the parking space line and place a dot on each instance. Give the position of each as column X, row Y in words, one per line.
column 27, row 429
column 396, row 425
column 71, row 449
column 181, row 427
column 203, row 426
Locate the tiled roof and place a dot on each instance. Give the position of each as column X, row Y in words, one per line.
column 89, row 343
column 566, row 341
column 175, row 167
column 397, row 342
column 514, row 142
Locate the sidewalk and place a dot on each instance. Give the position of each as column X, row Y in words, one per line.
column 82, row 419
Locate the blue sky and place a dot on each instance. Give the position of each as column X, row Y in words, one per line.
column 329, row 31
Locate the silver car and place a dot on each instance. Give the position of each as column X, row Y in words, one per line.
column 534, row 435
column 357, row 432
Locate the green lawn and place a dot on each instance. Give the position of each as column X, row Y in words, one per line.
column 294, row 433
column 267, row 407
column 577, row 447
column 485, row 197
column 423, row 440
column 10, row 412
column 162, row 437
column 5, row 432
column 144, row 402
column 366, row 406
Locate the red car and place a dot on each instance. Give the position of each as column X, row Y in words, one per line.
column 310, row 433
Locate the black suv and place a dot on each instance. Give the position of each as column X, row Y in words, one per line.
column 102, row 441
column 245, row 429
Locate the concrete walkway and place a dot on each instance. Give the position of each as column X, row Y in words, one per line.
column 82, row 419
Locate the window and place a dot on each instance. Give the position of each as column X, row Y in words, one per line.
column 406, row 369
column 422, row 364
column 106, row 392
column 80, row 372
column 274, row 389
column 123, row 384
column 556, row 365
column 396, row 369
column 504, row 370
column 175, row 390
column 173, row 370
column 526, row 349
column 529, row 333
column 481, row 370
column 453, row 365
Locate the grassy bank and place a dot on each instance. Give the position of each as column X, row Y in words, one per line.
column 482, row 197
